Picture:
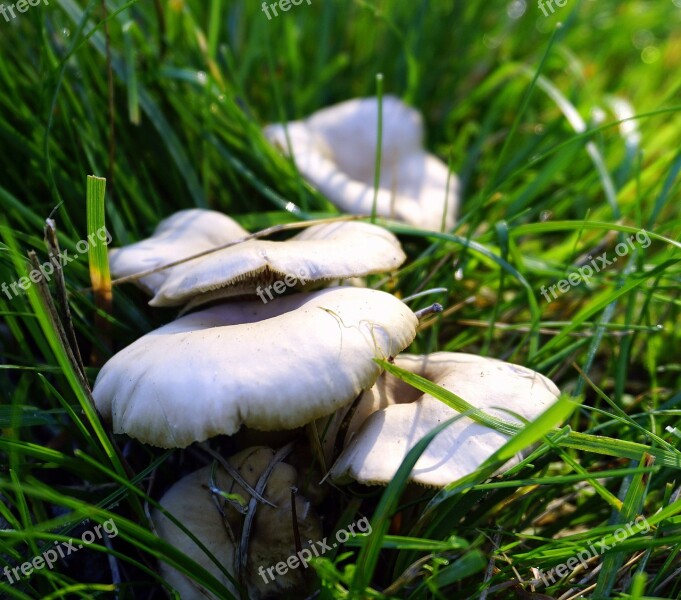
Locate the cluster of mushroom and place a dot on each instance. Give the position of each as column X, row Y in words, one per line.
column 243, row 362
column 249, row 354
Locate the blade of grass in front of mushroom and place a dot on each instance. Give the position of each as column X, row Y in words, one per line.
column 582, row 441
column 98, row 256
column 445, row 505
column 379, row 144
column 367, row 560
column 449, row 398
column 450, row 173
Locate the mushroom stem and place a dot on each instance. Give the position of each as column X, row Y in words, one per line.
column 429, row 310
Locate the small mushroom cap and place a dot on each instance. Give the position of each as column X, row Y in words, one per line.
column 322, row 252
column 375, row 453
column 181, row 235
column 271, row 537
column 335, row 149
column 190, row 502
column 268, row 366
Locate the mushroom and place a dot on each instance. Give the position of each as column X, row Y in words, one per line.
column 186, row 233
column 398, row 416
column 267, row 366
column 219, row 526
column 335, row 149
column 328, row 251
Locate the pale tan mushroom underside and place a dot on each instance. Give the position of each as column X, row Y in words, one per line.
column 324, row 252
column 183, row 234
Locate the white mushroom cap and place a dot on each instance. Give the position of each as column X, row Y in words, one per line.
column 335, row 149
column 322, row 252
column 267, row 366
column 181, row 235
column 406, row 416
column 271, row 537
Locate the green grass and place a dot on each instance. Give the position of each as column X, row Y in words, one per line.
column 525, row 113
